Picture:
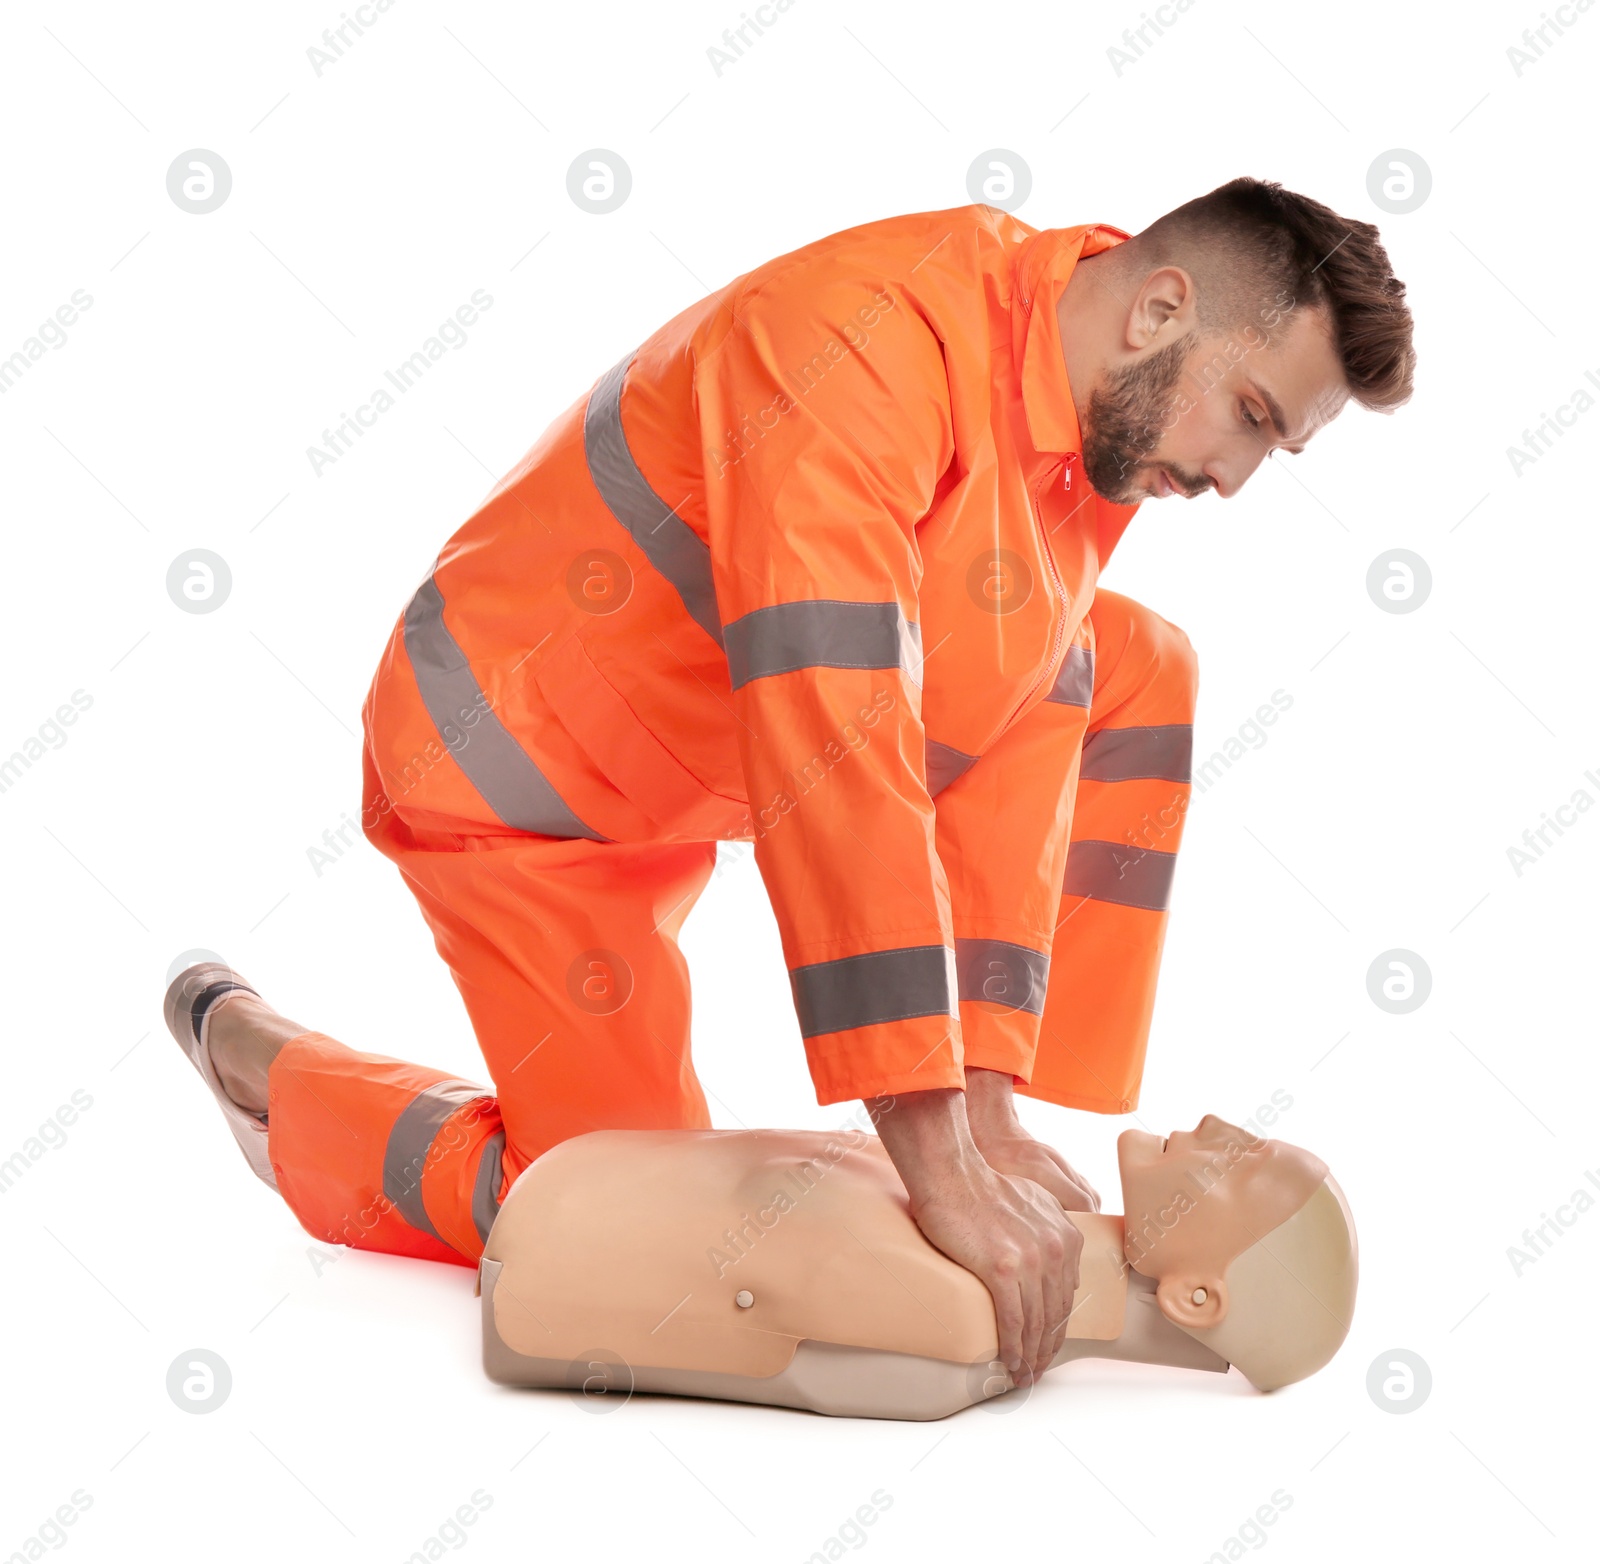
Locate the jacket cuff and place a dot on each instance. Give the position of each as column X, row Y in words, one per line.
column 918, row 1055
column 994, row 1038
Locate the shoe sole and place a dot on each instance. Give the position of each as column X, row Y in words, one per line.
column 188, row 990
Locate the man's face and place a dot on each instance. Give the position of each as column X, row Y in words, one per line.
column 1197, row 413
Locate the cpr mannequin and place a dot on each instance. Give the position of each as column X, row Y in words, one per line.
column 784, row 1267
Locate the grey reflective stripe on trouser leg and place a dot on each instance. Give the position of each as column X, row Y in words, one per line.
column 998, row 972
column 944, row 765
column 410, row 1140
column 490, row 757
column 1116, row 872
column 668, row 541
column 883, row 985
column 1074, row 685
column 1161, row 754
column 821, row 633
column 486, row 1187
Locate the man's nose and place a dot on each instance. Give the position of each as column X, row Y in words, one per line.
column 1230, row 474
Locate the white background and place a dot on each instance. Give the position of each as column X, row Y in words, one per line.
column 367, row 204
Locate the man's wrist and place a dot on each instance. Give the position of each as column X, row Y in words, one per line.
column 991, row 1106
column 927, row 1136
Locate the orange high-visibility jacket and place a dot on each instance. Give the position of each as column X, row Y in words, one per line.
column 820, row 546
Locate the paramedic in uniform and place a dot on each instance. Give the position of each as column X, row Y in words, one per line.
column 815, row 565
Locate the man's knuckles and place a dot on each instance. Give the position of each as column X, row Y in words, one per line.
column 1006, row 1265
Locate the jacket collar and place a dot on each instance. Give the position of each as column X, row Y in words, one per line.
column 1043, row 269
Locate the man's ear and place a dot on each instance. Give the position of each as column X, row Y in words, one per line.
column 1198, row 1302
column 1165, row 298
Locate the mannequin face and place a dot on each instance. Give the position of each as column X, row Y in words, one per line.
column 1197, row 1200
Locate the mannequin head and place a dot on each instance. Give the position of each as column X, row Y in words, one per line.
column 1249, row 1241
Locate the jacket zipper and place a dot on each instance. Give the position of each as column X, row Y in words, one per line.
column 1061, row 595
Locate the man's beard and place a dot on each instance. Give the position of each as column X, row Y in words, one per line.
column 1126, row 417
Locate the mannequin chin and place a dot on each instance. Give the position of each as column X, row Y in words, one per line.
column 783, row 1267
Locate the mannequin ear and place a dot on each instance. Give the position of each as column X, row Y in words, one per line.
column 1198, row 1302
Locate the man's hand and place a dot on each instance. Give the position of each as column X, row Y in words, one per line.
column 1011, row 1234
column 1008, row 1148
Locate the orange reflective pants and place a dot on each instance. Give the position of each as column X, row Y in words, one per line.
column 566, row 955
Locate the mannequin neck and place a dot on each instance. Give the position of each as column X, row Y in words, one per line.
column 1115, row 1314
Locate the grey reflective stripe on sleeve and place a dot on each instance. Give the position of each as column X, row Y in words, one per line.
column 1074, row 685
column 944, row 766
column 668, row 541
column 821, row 633
column 883, row 985
column 412, row 1136
column 486, row 1187
column 1160, row 754
column 1116, row 872
column 999, row 973
column 493, row 761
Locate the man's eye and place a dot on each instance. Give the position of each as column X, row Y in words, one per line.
column 1249, row 417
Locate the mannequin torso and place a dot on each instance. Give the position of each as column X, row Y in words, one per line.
column 777, row 1266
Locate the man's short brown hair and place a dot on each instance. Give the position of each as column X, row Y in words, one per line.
column 1251, row 244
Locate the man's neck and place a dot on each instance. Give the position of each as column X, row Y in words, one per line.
column 1089, row 316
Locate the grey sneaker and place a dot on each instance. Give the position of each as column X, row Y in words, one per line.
column 187, row 1010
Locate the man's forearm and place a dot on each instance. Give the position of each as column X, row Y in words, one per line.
column 927, row 1137
column 1009, row 1232
column 941, row 1131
